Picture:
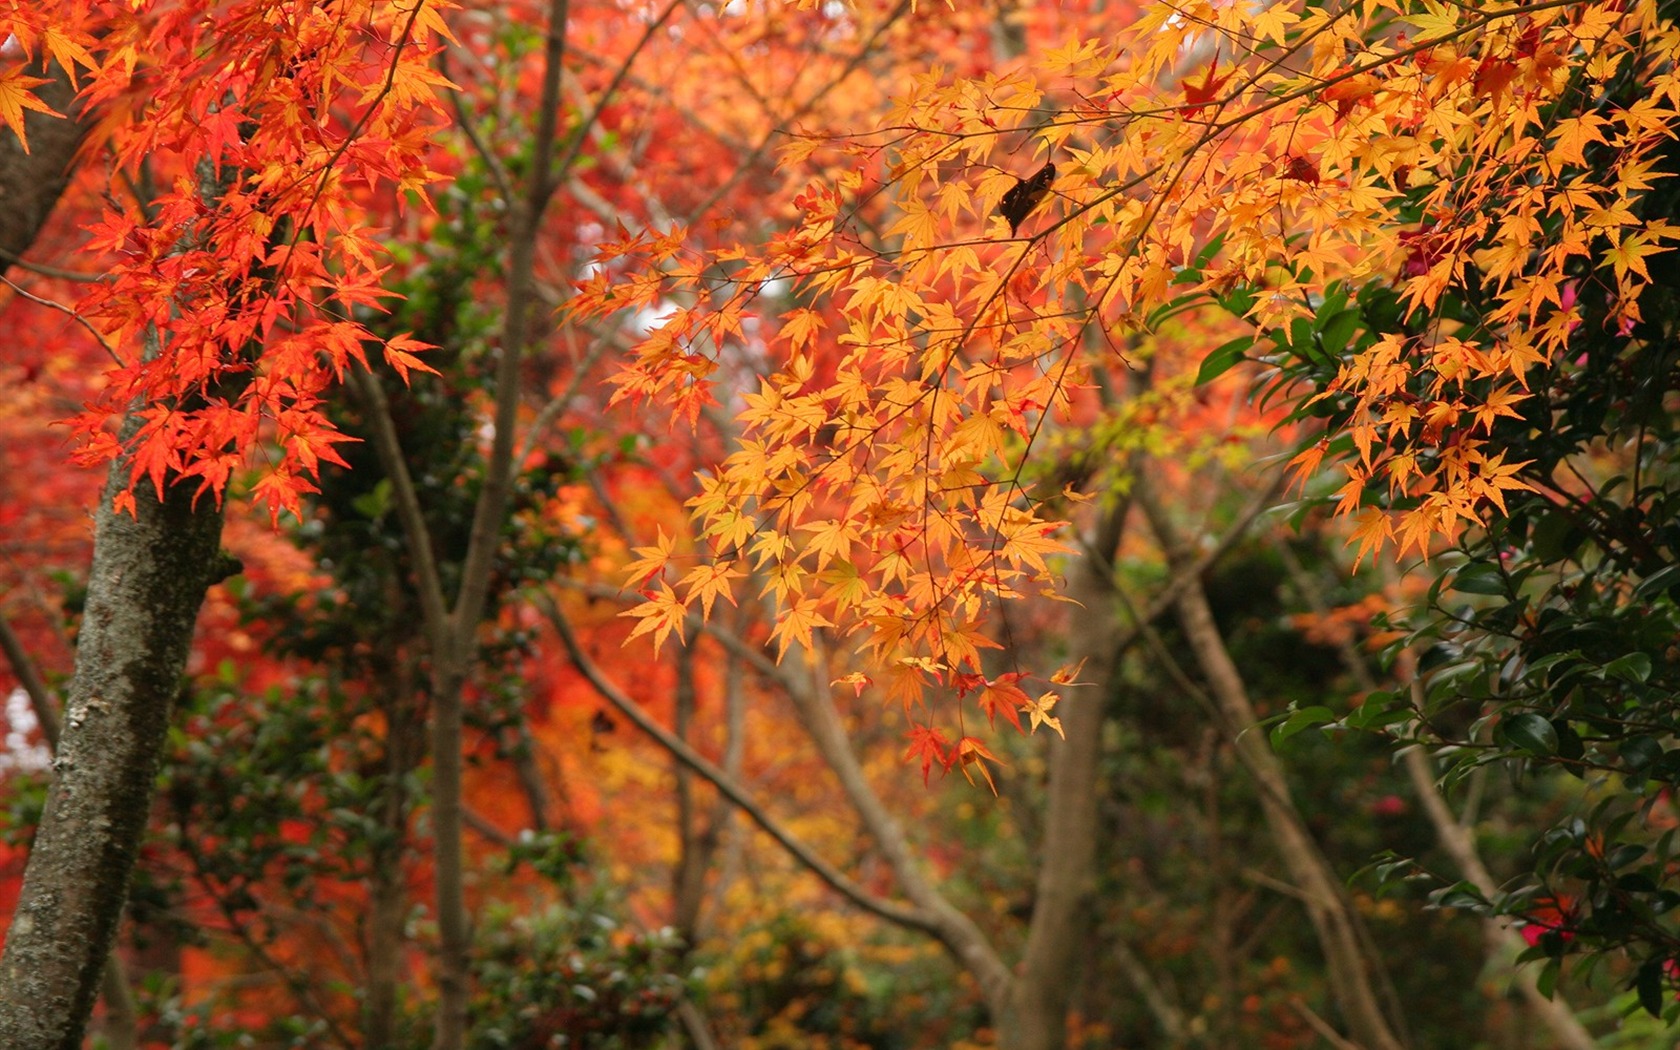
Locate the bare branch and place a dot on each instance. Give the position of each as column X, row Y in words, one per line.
column 29, row 677
column 1455, row 838
column 913, row 918
column 1352, row 969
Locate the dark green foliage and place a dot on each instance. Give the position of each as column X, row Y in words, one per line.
column 1551, row 638
column 575, row 978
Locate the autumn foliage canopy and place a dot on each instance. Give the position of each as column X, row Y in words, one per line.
column 1266, row 161
column 893, row 330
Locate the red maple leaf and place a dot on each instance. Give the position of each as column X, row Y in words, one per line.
column 1198, row 96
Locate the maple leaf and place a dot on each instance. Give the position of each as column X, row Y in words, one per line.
column 1629, row 253
column 857, row 680
column 659, row 614
column 16, row 96
column 650, row 561
column 1198, row 97
column 1493, row 75
column 1038, row 714
column 1372, row 529
column 1301, row 169
column 1003, row 694
column 970, row 753
column 800, row 326
column 399, row 351
column 1307, row 461
column 708, row 582
column 796, row 625
column 1351, row 92
column 66, row 47
column 1067, row 674
column 312, row 446
column 281, row 492
column 929, row 745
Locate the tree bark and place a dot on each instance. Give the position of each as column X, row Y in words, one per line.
column 1036, row 1015
column 148, row 581
column 695, row 844
column 452, row 628
column 1350, row 970
column 30, row 183
column 149, row 576
column 388, row 901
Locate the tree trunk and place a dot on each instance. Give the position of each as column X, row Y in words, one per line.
column 449, row 674
column 1036, row 1017
column 388, row 901
column 149, row 576
column 1351, row 972
column 695, row 844
column 30, row 183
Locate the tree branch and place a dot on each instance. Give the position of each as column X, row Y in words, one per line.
column 1454, row 837
column 29, row 677
column 961, row 937
column 1350, row 967
column 912, row 918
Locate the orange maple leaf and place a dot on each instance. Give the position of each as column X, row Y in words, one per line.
column 659, row 615
column 16, row 96
column 1002, row 694
column 971, row 753
column 929, row 745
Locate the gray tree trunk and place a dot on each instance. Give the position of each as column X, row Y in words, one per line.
column 1036, row 1017
column 149, row 576
column 1353, row 973
column 30, row 183
column 128, row 663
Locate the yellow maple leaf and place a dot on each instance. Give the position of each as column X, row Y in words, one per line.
column 659, row 615
column 796, row 625
column 1038, row 714
column 16, row 96
column 708, row 582
column 650, row 561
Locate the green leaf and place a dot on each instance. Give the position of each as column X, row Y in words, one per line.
column 1239, row 300
column 374, row 503
column 1658, row 581
column 1168, row 311
column 1649, row 984
column 1634, row 667
column 1372, row 715
column 1301, row 339
column 1636, row 882
column 1570, row 745
column 1555, row 537
column 1639, row 754
column 1305, row 718
column 1338, row 330
column 1480, row 577
column 1531, row 732
column 1222, row 359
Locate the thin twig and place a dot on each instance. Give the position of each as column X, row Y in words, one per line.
column 51, row 271
column 61, row 308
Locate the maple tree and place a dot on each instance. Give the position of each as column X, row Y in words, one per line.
column 226, row 313
column 880, row 491
column 1406, row 202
